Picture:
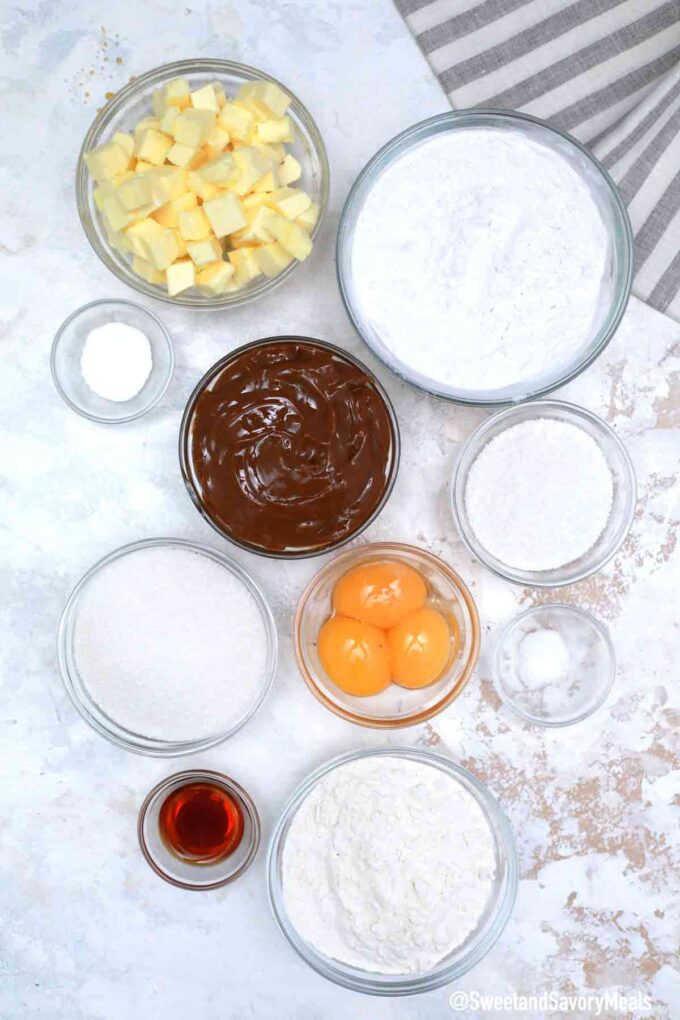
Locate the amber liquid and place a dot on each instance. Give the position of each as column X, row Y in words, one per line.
column 201, row 823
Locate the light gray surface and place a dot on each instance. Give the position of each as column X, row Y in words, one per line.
column 87, row 931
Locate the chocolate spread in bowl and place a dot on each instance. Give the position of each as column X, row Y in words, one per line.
column 289, row 446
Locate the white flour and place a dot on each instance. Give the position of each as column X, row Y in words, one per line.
column 539, row 494
column 170, row 644
column 479, row 257
column 388, row 865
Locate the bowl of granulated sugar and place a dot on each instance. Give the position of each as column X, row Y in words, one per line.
column 543, row 493
column 167, row 647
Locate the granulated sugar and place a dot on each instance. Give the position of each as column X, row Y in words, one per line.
column 539, row 494
column 170, row 644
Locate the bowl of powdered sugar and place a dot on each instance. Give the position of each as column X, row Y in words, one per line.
column 543, row 493
column 392, row 871
column 167, row 647
column 485, row 256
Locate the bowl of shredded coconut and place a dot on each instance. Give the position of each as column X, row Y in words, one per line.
column 485, row 256
column 543, row 493
column 392, row 871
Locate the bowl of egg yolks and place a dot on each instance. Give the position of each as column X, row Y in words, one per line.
column 386, row 635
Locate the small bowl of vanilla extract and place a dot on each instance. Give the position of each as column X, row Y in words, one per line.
column 199, row 829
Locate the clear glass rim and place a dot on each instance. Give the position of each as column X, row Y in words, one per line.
column 414, row 718
column 398, row 985
column 226, row 783
column 114, row 732
column 184, row 460
column 459, row 478
column 515, row 622
column 100, row 419
column 460, row 118
column 178, row 68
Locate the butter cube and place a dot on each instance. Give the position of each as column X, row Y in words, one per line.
column 181, row 244
column 144, row 269
column 205, row 99
column 168, row 214
column 237, row 120
column 141, row 166
column 279, row 129
column 145, row 124
column 153, row 146
column 180, row 276
column 251, row 203
column 225, row 214
column 107, row 160
column 268, row 183
column 219, row 92
column 246, row 265
column 273, row 151
column 181, row 155
column 219, row 171
column 192, row 127
column 289, row 170
column 118, row 240
column 158, row 102
column 163, row 249
column 291, row 202
column 178, row 93
column 126, row 142
column 217, row 141
column 139, row 235
column 214, row 278
column 272, row 258
column 167, row 182
column 265, row 98
column 117, row 217
column 166, row 121
column 136, row 191
column 193, row 224
column 258, row 228
column 294, row 239
column 205, row 251
column 251, row 165
column 307, row 220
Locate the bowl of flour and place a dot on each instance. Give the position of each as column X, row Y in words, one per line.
column 485, row 256
column 392, row 871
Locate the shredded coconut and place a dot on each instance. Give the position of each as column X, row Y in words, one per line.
column 170, row 644
column 388, row 865
column 539, row 494
column 116, row 361
column 479, row 259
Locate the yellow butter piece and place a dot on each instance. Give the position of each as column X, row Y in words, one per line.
column 251, row 165
column 192, row 127
column 269, row 182
column 136, row 191
column 272, row 258
column 258, row 227
column 216, row 142
column 163, row 249
column 279, row 129
column 118, row 240
column 214, row 278
column 307, row 220
column 177, row 93
column 180, row 276
column 265, row 98
column 146, row 124
column 141, row 166
column 127, row 143
column 153, row 146
column 181, row 155
column 167, row 182
column 205, row 251
column 252, row 202
column 166, row 121
column 140, row 233
column 291, row 202
column 246, row 266
column 237, row 121
column 205, row 99
column 222, row 170
column 295, row 240
column 220, row 94
column 194, row 224
column 116, row 216
column 168, row 214
column 107, row 160
column 144, row 269
column 289, row 170
column 181, row 243
column 225, row 214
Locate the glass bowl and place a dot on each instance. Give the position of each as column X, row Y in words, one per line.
column 130, row 105
column 396, row 706
column 461, row 960
column 180, row 872
column 623, row 504
column 187, row 467
column 568, row 698
column 90, row 710
column 68, row 348
column 619, row 265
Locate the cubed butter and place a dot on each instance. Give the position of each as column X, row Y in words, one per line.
column 145, row 124
column 205, row 99
column 257, row 228
column 216, row 142
column 251, row 165
column 107, row 160
column 153, row 146
column 147, row 272
column 136, row 191
column 289, row 170
column 219, row 93
column 290, row 202
column 213, row 278
column 181, row 155
column 205, row 251
column 307, row 220
column 295, row 240
column 272, row 258
column 222, row 170
column 180, row 276
column 141, row 166
column 167, row 182
column 246, row 265
column 225, row 214
column 279, row 129
column 237, row 121
column 166, row 122
column 192, row 127
column 168, row 214
column 117, row 217
column 163, row 249
column 269, row 182
column 265, row 98
column 140, row 233
column 178, row 93
column 194, row 224
column 126, row 142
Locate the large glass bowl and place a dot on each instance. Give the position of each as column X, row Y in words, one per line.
column 619, row 272
column 88, row 707
column 623, row 502
column 130, row 105
column 478, row 943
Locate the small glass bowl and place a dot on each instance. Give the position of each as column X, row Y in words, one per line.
column 179, row 872
column 68, row 348
column 619, row 269
column 396, row 706
column 623, row 504
column 574, row 696
column 130, row 105
column 186, row 465
column 461, row 960
column 90, row 710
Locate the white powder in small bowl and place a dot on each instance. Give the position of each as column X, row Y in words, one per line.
column 170, row 644
column 539, row 494
column 116, row 361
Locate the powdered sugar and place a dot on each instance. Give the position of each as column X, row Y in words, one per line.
column 539, row 494
column 478, row 259
column 388, row 865
column 116, row 361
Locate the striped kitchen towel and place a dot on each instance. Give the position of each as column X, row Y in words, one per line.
column 608, row 71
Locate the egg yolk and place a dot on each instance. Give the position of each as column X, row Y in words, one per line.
column 354, row 655
column 380, row 593
column 419, row 647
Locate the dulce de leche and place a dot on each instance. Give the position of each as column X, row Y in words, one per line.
column 289, row 446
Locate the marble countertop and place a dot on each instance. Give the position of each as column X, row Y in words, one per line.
column 87, row 931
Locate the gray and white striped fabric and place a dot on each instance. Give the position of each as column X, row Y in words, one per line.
column 608, row 71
